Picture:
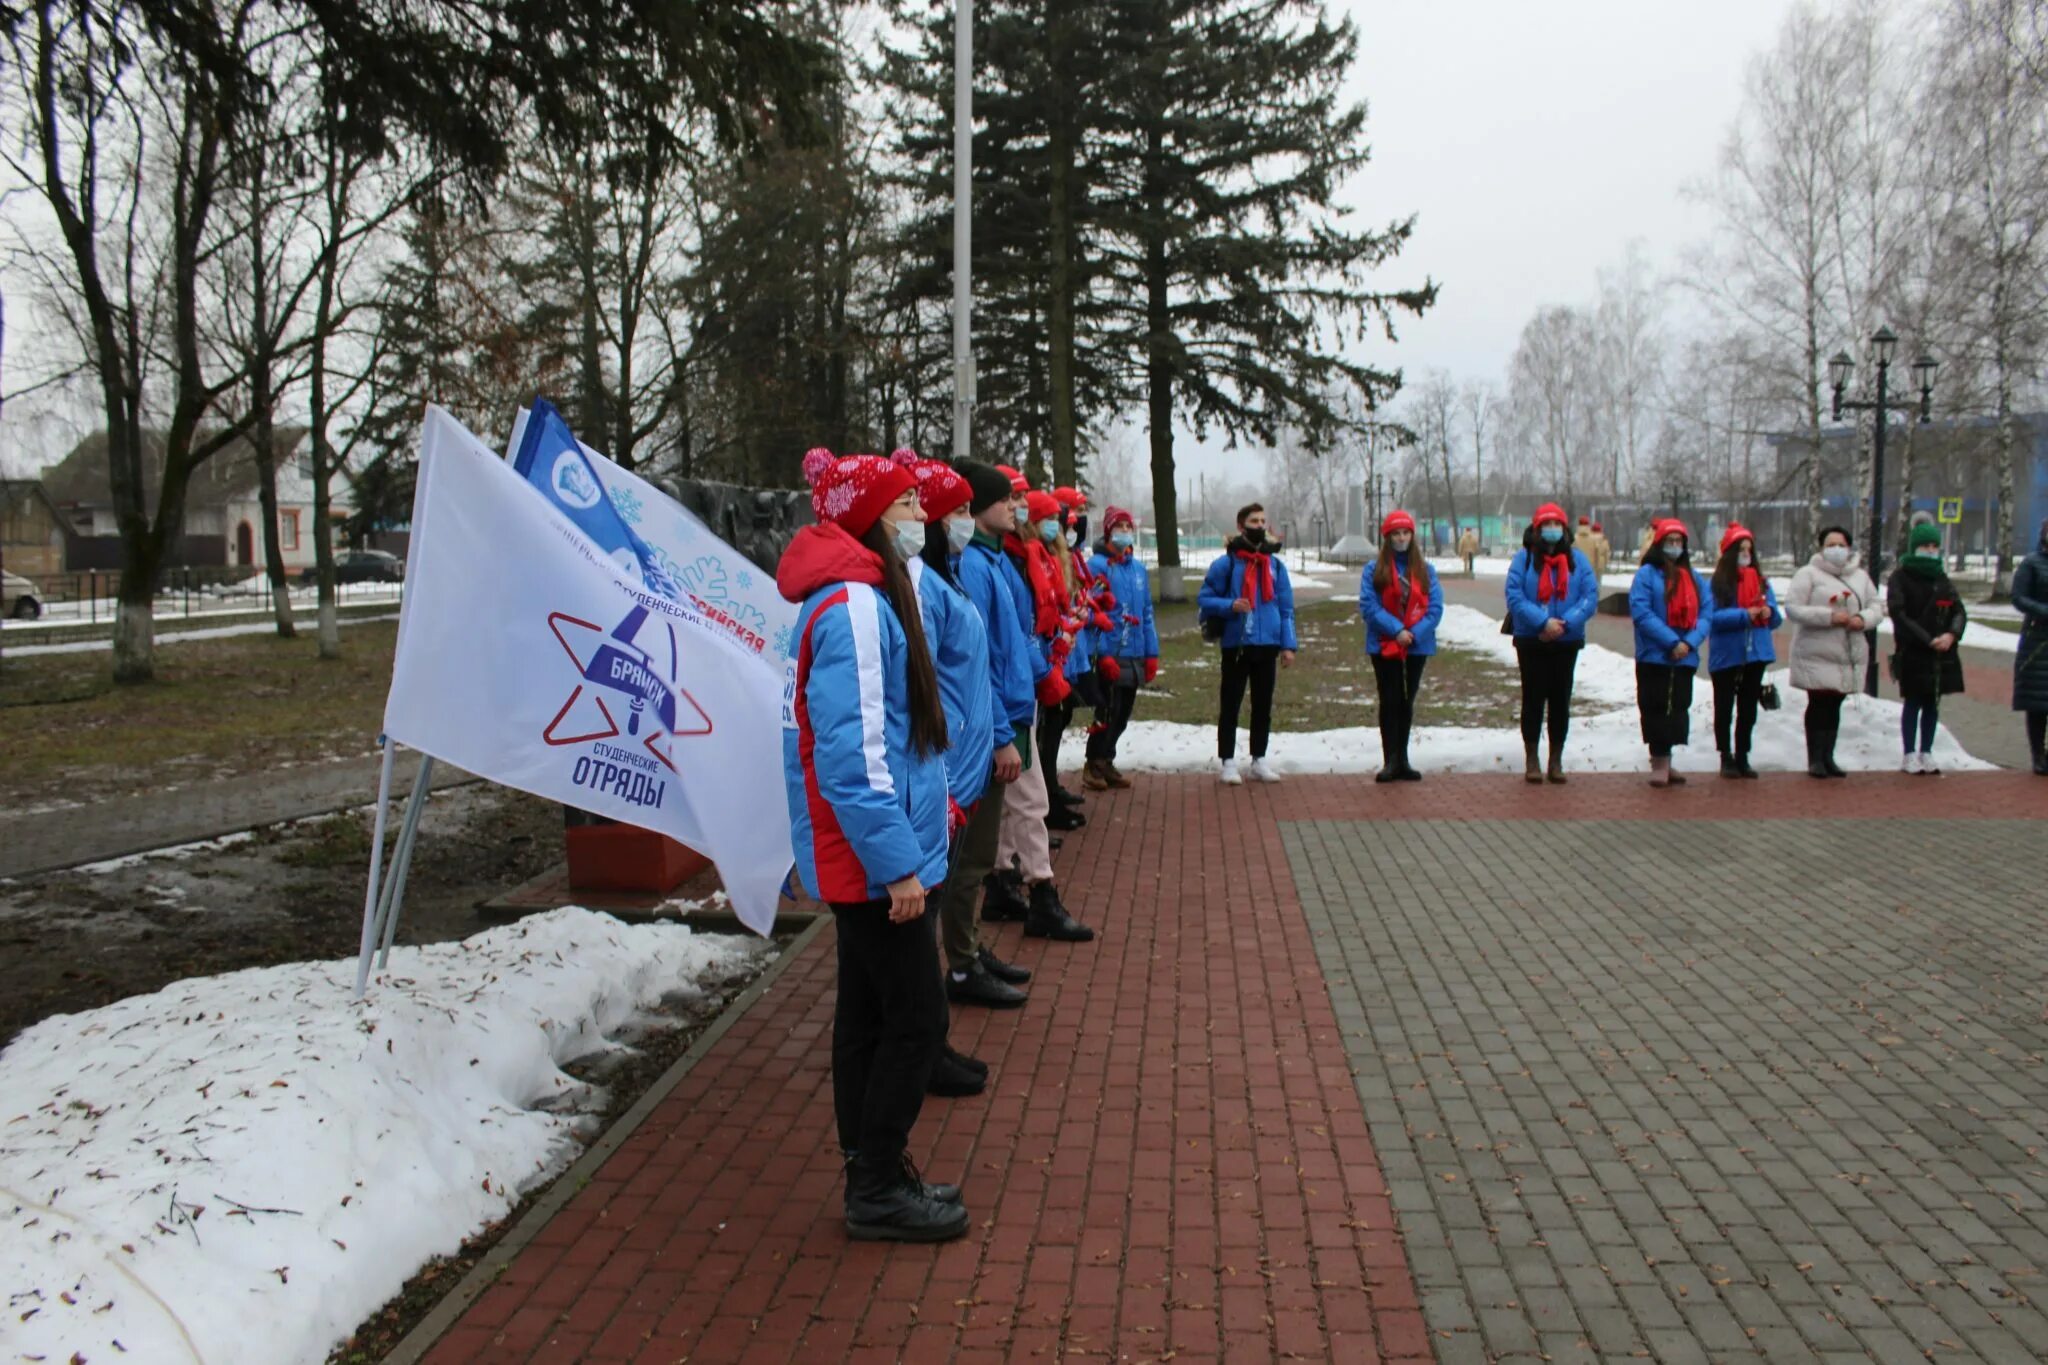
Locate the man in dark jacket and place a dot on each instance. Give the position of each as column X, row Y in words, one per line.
column 2030, row 660
column 1928, row 620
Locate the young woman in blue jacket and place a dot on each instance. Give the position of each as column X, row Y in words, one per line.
column 1247, row 590
column 1552, row 592
column 1401, row 601
column 1131, row 645
column 1739, row 646
column 1669, row 603
column 864, row 765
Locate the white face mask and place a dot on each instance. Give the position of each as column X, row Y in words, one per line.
column 1836, row 555
column 959, row 530
column 909, row 539
column 1742, row 558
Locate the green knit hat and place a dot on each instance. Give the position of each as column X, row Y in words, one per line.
column 1924, row 534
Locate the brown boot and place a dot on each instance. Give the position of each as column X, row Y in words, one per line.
column 1532, row 767
column 1556, row 773
column 1093, row 778
column 1660, row 772
column 1116, row 779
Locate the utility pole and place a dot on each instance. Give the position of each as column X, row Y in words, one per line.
column 963, row 228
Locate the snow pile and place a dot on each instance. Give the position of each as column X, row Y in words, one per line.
column 1606, row 736
column 244, row 1167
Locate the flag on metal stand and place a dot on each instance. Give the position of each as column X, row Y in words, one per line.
column 566, row 663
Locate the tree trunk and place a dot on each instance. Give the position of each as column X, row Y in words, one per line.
column 2001, row 577
column 1159, row 371
column 263, row 439
column 1813, row 465
column 1450, row 490
column 1060, row 287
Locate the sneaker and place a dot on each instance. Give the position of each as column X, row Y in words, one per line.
column 1910, row 764
column 1262, row 771
column 1928, row 766
column 1229, row 776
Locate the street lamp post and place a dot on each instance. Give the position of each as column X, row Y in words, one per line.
column 1882, row 344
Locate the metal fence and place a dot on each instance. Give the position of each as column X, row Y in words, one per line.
column 185, row 592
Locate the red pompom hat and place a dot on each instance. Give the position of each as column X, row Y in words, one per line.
column 1042, row 506
column 1018, row 483
column 1736, row 531
column 1397, row 521
column 1115, row 517
column 1550, row 511
column 940, row 491
column 851, row 491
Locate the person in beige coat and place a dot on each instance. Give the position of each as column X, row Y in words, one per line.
column 1468, row 547
column 1831, row 603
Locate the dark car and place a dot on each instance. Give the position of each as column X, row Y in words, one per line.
column 362, row 566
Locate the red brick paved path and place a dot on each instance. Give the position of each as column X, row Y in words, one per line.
column 1172, row 1161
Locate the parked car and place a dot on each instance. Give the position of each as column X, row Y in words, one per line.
column 19, row 598
column 362, row 566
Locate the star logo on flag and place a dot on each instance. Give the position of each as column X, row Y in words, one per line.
column 641, row 681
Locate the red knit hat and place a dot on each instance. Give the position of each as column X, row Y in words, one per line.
column 1582, row 520
column 1550, row 511
column 940, row 491
column 1736, row 531
column 1042, row 506
column 1115, row 517
column 1669, row 526
column 852, row 490
column 1018, row 483
column 1073, row 499
column 1596, row 529
column 1397, row 521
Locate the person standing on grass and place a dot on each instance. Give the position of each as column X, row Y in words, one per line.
column 1401, row 601
column 1247, row 590
column 864, row 769
column 1928, row 620
column 974, row 974
column 2030, row 661
column 1552, row 593
column 959, row 642
column 1831, row 604
column 1739, row 646
column 1128, row 652
column 1668, row 602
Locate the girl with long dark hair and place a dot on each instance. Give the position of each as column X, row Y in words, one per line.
column 1668, row 603
column 1401, row 601
column 864, row 766
column 1739, row 646
column 1552, row 591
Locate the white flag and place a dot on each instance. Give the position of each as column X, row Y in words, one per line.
column 528, row 658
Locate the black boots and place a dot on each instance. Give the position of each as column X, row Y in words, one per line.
column 894, row 1204
column 1001, row 970
column 955, row 1076
column 1064, row 817
column 1731, row 766
column 1532, row 766
column 1556, row 772
column 1048, row 918
column 1002, row 897
column 980, row 987
column 1060, row 796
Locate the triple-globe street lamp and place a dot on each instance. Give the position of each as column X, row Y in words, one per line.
column 1882, row 344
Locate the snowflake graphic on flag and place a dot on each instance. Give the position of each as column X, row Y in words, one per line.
column 785, row 640
column 746, row 580
column 629, row 505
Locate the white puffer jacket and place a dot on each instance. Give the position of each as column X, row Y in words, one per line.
column 1827, row 657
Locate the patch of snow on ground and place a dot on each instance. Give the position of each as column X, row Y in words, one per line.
column 1606, row 735
column 244, row 1167
column 171, row 637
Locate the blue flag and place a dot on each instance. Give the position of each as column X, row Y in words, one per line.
column 552, row 460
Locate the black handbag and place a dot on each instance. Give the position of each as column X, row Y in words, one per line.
column 1769, row 699
column 1213, row 628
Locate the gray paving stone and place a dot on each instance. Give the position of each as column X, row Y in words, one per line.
column 1643, row 1094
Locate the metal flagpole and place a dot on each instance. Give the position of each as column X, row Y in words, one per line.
column 963, row 227
column 401, row 860
column 376, row 866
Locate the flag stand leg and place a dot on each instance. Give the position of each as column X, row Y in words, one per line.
column 401, row 859
column 376, row 866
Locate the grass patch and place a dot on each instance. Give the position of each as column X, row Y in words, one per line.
column 242, row 704
column 1331, row 684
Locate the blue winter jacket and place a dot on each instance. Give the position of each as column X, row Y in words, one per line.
column 959, row 645
column 1269, row 623
column 1527, row 615
column 1134, row 637
column 1734, row 640
column 1655, row 638
column 985, row 576
column 1382, row 625
column 864, row 810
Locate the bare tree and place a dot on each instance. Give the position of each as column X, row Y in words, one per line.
column 1481, row 402
column 1553, row 384
column 1631, row 360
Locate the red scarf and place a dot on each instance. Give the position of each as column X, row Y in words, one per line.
column 1749, row 589
column 1682, row 601
column 1040, row 574
column 1416, row 608
column 1554, row 579
column 1258, row 575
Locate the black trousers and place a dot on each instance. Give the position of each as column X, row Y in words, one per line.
column 1664, row 701
column 1547, row 668
column 1823, row 723
column 1052, row 727
column 1399, row 681
column 1258, row 666
column 887, row 1030
column 1114, row 716
column 1735, row 694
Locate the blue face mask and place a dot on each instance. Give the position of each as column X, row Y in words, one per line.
column 1049, row 530
column 1121, row 539
column 1551, row 534
column 1674, row 549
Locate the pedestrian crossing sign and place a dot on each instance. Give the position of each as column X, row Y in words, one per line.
column 1950, row 511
